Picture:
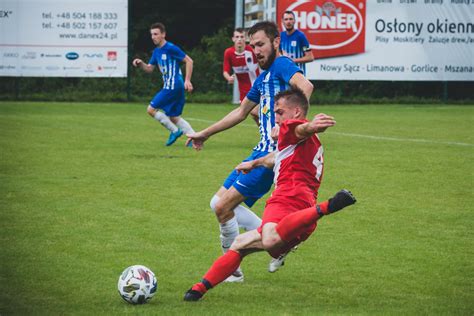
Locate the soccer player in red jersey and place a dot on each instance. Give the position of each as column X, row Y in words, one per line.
column 291, row 213
column 241, row 62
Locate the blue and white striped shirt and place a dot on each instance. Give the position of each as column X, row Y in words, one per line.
column 266, row 86
column 294, row 46
column 168, row 58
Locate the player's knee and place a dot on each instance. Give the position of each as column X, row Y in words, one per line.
column 151, row 111
column 270, row 241
column 223, row 212
column 213, row 202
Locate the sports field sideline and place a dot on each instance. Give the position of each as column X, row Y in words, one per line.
column 89, row 189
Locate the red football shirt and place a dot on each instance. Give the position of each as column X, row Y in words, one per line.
column 298, row 164
column 244, row 66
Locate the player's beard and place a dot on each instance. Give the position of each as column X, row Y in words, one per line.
column 289, row 29
column 270, row 60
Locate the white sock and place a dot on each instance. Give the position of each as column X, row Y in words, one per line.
column 165, row 121
column 229, row 230
column 246, row 218
column 185, row 126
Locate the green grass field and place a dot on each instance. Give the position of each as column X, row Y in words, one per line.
column 89, row 189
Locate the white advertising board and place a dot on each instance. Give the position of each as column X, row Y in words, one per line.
column 63, row 38
column 430, row 40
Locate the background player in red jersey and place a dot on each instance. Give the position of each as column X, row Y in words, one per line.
column 241, row 62
column 291, row 213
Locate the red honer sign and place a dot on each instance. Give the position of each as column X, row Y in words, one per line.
column 333, row 27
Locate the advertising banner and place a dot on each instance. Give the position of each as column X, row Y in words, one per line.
column 51, row 38
column 429, row 40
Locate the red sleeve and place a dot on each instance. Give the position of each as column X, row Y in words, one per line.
column 287, row 135
column 227, row 61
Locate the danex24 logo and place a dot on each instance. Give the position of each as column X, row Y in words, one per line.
column 333, row 27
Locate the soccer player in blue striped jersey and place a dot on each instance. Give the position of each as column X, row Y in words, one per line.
column 294, row 43
column 170, row 99
column 279, row 73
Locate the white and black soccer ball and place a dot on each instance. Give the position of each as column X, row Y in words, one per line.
column 137, row 284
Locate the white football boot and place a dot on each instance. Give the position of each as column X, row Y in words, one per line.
column 237, row 276
column 277, row 263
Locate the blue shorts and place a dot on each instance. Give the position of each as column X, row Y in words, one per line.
column 254, row 184
column 170, row 101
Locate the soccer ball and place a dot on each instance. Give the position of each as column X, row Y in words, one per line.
column 137, row 284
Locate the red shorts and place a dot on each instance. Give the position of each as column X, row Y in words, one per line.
column 279, row 207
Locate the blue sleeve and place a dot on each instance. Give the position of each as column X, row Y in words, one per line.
column 281, row 41
column 304, row 43
column 177, row 53
column 285, row 68
column 153, row 60
column 254, row 94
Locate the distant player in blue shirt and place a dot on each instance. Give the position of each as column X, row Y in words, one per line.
column 279, row 73
column 294, row 43
column 170, row 99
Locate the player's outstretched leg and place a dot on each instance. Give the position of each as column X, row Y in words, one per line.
column 295, row 224
column 339, row 201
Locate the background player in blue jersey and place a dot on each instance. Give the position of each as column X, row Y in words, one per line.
column 170, row 99
column 294, row 43
column 279, row 74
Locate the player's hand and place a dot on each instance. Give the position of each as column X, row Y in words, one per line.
column 136, row 62
column 245, row 167
column 274, row 133
column 231, row 80
column 188, row 86
column 321, row 122
column 198, row 140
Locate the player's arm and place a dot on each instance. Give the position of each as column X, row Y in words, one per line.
column 233, row 118
column 268, row 162
column 189, row 72
column 307, row 57
column 137, row 62
column 299, row 81
column 319, row 124
column 228, row 77
column 227, row 68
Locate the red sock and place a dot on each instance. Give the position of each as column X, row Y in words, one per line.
column 222, row 268
column 293, row 225
column 323, row 206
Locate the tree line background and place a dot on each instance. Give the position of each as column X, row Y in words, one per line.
column 203, row 29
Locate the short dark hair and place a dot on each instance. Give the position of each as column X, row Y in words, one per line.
column 288, row 12
column 270, row 29
column 239, row 30
column 294, row 97
column 158, row 25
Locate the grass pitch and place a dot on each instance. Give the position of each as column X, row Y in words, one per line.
column 89, row 189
